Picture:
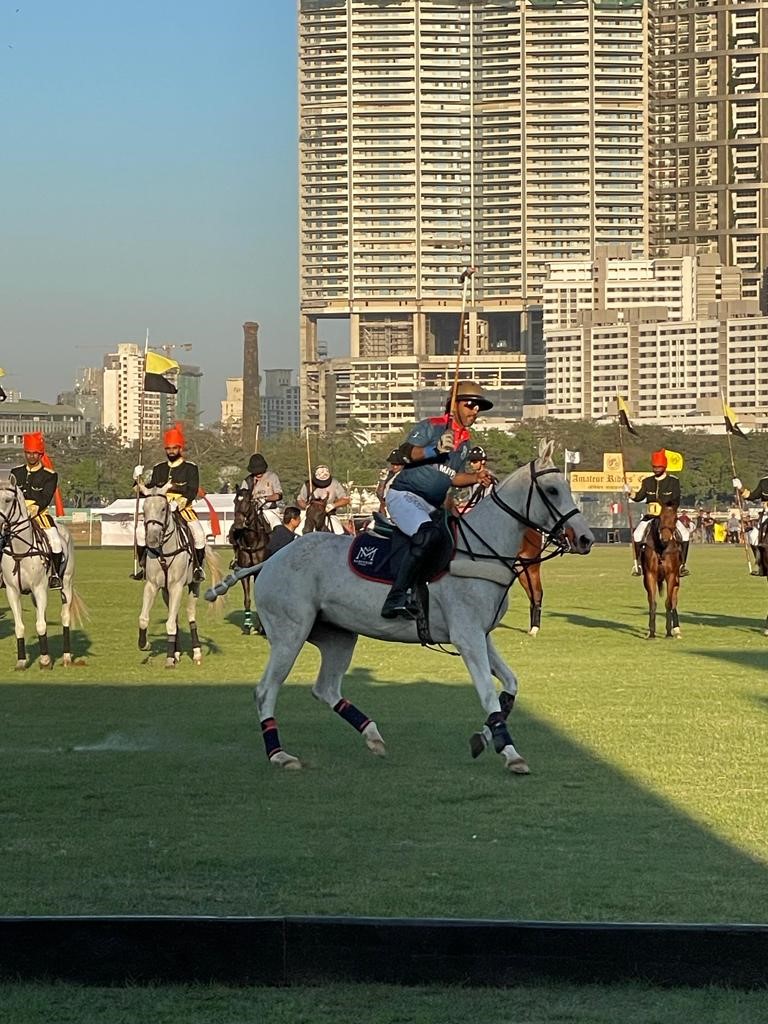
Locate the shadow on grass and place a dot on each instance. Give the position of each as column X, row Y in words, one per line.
column 757, row 660
column 723, row 621
column 596, row 623
column 153, row 799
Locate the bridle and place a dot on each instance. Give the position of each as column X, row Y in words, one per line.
column 167, row 527
column 253, row 522
column 12, row 526
column 554, row 538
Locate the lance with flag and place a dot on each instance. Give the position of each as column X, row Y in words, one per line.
column 3, row 395
column 624, row 421
column 732, row 428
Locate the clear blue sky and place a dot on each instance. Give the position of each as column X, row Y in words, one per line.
column 148, row 177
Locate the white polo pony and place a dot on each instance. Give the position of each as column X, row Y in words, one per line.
column 168, row 570
column 25, row 572
column 307, row 593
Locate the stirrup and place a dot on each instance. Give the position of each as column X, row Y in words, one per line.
column 684, row 570
column 138, row 575
column 636, row 570
column 54, row 582
column 198, row 574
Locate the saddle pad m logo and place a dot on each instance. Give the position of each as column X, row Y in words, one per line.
column 365, row 555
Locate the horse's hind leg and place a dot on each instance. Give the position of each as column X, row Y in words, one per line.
column 673, row 622
column 284, row 650
column 479, row 741
column 197, row 651
column 14, row 600
column 247, row 621
column 336, row 648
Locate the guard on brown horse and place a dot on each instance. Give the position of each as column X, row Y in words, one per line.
column 661, row 560
column 249, row 537
column 661, row 490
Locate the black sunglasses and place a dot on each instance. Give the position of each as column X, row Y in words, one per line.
column 470, row 403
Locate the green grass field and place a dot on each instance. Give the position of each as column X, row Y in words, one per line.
column 132, row 789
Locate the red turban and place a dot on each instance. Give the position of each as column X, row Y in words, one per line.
column 173, row 438
column 34, row 443
column 659, row 459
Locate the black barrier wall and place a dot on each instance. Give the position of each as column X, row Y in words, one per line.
column 299, row 950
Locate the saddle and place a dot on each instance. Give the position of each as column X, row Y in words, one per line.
column 376, row 554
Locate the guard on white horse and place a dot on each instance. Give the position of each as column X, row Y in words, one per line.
column 308, row 593
column 326, row 494
column 436, row 452
column 168, row 569
column 184, row 480
column 757, row 493
column 660, row 491
column 24, row 565
column 265, row 489
column 38, row 482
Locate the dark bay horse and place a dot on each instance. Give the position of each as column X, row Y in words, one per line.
column 248, row 535
column 660, row 562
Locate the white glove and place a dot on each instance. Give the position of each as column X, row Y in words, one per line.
column 738, row 485
column 445, row 444
column 627, row 488
column 137, row 472
column 173, row 506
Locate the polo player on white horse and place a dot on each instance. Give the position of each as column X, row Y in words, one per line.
column 757, row 493
column 436, row 452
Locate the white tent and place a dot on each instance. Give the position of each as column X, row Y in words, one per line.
column 117, row 519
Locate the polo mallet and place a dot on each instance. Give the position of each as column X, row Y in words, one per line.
column 466, row 274
column 309, row 469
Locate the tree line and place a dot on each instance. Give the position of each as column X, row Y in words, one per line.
column 96, row 469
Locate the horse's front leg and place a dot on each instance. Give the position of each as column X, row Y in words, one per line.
column 150, row 593
column 40, row 595
column 479, row 741
column 247, row 622
column 14, row 600
column 673, row 622
column 171, row 624
column 650, row 587
column 474, row 651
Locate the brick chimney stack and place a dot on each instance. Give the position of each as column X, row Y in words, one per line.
column 251, row 383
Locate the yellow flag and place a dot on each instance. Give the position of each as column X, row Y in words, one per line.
column 160, row 364
column 2, row 372
column 674, row 461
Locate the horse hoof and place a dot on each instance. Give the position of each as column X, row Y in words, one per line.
column 650, row 636
column 533, row 631
column 376, row 747
column 145, row 647
column 21, row 666
column 66, row 660
column 177, row 656
column 197, row 657
column 283, row 760
column 170, row 663
column 46, row 665
column 518, row 766
column 477, row 744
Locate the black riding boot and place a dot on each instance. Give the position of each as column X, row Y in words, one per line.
column 398, row 602
column 758, row 570
column 54, row 580
column 198, row 574
column 141, row 558
column 684, row 570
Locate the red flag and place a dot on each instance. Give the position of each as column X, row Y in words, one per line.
column 215, row 522
column 58, row 501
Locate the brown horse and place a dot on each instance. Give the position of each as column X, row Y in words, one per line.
column 530, row 576
column 248, row 535
column 660, row 561
column 316, row 517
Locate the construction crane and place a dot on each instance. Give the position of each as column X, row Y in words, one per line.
column 167, row 349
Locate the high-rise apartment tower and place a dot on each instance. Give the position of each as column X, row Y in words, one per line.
column 709, row 131
column 437, row 134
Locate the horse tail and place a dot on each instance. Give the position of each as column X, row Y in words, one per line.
column 213, row 561
column 78, row 610
column 221, row 588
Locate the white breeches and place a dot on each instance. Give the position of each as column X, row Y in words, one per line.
column 642, row 528
column 753, row 536
column 273, row 517
column 54, row 539
column 196, row 528
column 408, row 511
column 198, row 533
